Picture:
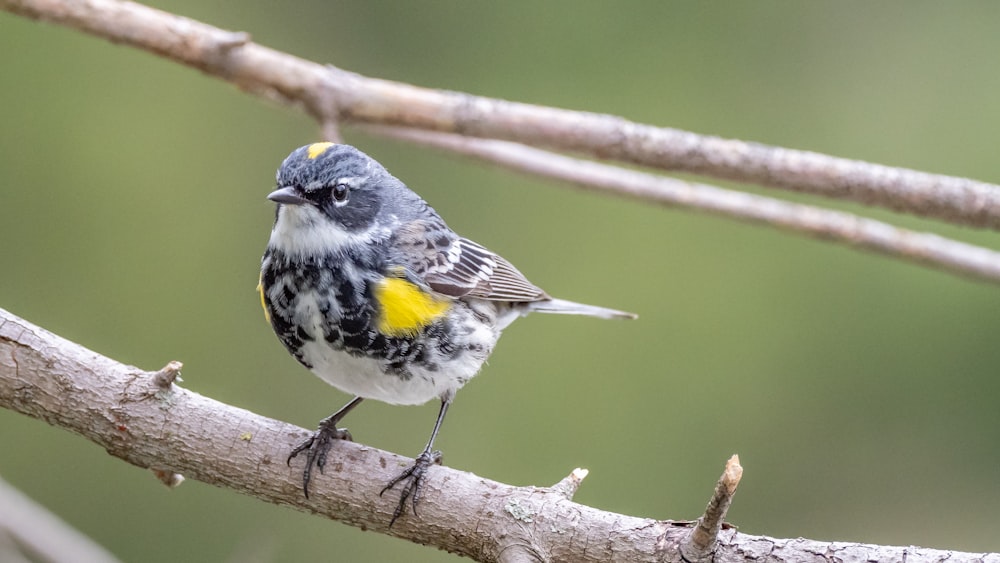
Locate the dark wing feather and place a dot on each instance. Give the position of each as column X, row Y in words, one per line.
column 459, row 267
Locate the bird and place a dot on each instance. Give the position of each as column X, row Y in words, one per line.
column 367, row 287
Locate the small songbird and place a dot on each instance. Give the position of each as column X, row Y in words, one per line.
column 366, row 286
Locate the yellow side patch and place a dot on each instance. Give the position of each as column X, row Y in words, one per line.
column 404, row 308
column 263, row 304
column 317, row 149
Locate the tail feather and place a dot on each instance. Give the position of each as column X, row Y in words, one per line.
column 563, row 307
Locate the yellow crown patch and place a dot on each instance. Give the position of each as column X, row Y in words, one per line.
column 405, row 308
column 316, row 149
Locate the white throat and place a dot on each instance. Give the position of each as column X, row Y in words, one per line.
column 303, row 231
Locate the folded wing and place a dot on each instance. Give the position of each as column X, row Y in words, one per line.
column 458, row 267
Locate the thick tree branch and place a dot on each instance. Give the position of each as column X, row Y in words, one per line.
column 327, row 92
column 148, row 421
column 130, row 413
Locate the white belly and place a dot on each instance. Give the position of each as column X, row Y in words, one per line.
column 475, row 329
column 363, row 376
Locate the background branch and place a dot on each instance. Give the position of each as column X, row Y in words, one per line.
column 846, row 228
column 30, row 529
column 327, row 92
column 144, row 419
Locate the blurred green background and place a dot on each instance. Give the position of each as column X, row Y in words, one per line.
column 860, row 392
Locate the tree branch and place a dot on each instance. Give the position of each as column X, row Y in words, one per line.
column 329, row 93
column 148, row 421
column 34, row 530
column 926, row 249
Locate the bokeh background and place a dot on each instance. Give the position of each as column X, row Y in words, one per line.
column 861, row 393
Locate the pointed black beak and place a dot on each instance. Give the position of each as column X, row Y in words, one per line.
column 287, row 196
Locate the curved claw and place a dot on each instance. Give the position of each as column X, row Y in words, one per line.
column 317, row 446
column 414, row 475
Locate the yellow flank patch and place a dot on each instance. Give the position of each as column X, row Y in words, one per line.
column 404, row 308
column 317, row 149
column 263, row 304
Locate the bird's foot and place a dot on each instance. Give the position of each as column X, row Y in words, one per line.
column 317, row 446
column 414, row 477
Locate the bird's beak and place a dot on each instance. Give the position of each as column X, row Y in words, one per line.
column 287, row 196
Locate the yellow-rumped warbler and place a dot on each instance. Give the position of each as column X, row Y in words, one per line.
column 367, row 287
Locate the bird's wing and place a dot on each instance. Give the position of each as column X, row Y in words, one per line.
column 458, row 267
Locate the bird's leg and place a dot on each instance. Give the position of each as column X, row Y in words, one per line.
column 319, row 443
column 414, row 475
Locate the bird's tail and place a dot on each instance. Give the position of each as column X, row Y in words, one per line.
column 563, row 307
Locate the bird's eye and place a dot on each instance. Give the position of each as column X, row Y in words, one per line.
column 340, row 193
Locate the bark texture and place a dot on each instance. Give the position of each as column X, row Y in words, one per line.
column 146, row 419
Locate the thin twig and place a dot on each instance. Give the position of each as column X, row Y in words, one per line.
column 839, row 226
column 699, row 547
column 569, row 484
column 168, row 374
column 290, row 79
